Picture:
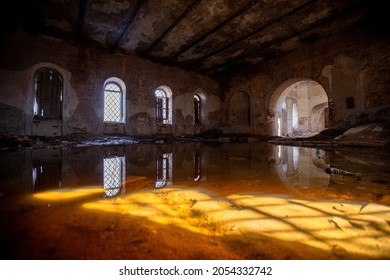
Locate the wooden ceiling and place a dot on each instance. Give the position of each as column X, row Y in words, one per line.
column 211, row 37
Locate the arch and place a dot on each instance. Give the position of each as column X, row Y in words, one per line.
column 164, row 108
column 58, row 126
column 291, row 108
column 114, row 100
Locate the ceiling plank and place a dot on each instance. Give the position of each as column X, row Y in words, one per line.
column 132, row 12
column 216, row 51
column 230, row 64
column 207, row 34
column 81, row 18
column 172, row 26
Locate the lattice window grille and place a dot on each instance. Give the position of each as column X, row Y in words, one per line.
column 48, row 95
column 113, row 103
column 162, row 105
column 112, row 178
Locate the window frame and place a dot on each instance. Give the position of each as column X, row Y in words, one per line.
column 121, row 109
column 197, row 109
column 43, row 94
column 161, row 105
column 163, row 109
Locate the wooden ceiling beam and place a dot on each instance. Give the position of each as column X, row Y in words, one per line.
column 242, row 38
column 131, row 13
column 171, row 27
column 230, row 64
column 80, row 21
column 213, row 30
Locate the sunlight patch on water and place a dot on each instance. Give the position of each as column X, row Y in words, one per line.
column 68, row 193
column 350, row 227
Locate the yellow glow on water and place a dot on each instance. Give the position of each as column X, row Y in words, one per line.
column 68, row 193
column 352, row 227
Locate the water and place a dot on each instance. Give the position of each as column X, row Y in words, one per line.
column 194, row 200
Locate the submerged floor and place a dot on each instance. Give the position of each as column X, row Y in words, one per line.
column 194, row 200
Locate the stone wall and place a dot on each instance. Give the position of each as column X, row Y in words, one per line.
column 85, row 71
column 350, row 67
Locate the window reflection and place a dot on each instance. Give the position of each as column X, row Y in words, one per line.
column 46, row 176
column 113, row 170
column 163, row 170
column 197, row 166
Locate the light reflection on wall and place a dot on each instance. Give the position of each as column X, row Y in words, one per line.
column 301, row 168
column 163, row 170
column 113, row 176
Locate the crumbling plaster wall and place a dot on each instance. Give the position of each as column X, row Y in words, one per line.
column 89, row 68
column 347, row 65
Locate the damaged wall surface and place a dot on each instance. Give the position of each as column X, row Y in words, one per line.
column 138, row 81
column 84, row 73
column 346, row 67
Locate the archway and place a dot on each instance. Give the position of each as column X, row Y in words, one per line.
column 299, row 109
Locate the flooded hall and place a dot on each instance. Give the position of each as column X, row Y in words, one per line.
column 195, row 130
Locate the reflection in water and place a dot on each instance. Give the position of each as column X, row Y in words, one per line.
column 163, row 170
column 113, row 175
column 46, row 175
column 275, row 193
column 197, row 166
column 302, row 168
column 359, row 230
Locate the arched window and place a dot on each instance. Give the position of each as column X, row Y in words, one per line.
column 163, row 105
column 48, row 95
column 197, row 109
column 114, row 102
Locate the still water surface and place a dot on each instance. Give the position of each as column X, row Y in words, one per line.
column 194, row 200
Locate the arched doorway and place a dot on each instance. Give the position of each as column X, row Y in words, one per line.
column 299, row 109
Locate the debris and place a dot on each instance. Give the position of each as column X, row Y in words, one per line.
column 332, row 170
column 337, row 171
